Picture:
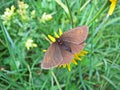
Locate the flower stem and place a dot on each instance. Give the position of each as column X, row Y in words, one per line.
column 56, row 80
column 100, row 11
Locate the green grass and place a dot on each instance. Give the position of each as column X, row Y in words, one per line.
column 98, row 70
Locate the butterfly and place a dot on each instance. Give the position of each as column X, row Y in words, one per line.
column 63, row 49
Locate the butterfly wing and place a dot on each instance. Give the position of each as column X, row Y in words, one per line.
column 56, row 55
column 76, row 35
column 75, row 48
column 52, row 57
column 67, row 56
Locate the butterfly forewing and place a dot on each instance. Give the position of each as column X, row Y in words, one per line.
column 52, row 57
column 76, row 35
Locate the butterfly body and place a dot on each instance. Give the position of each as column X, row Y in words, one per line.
column 62, row 44
column 62, row 51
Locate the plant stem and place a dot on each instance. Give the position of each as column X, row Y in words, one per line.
column 69, row 12
column 100, row 11
column 56, row 80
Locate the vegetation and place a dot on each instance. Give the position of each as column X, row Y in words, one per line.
column 25, row 26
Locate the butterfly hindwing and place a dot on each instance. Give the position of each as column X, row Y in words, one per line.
column 75, row 48
column 67, row 56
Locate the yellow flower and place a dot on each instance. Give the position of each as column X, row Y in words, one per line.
column 30, row 44
column 112, row 6
column 22, row 10
column 52, row 39
column 46, row 17
column 33, row 14
column 77, row 56
column 60, row 32
column 8, row 14
column 44, row 50
column 22, row 5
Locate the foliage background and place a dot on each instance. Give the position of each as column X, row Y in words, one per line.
column 20, row 67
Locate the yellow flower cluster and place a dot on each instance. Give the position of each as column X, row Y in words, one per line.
column 46, row 17
column 30, row 44
column 22, row 10
column 8, row 14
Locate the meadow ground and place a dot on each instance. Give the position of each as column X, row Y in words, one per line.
column 25, row 26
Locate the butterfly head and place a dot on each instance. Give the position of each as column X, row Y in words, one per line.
column 63, row 45
column 59, row 41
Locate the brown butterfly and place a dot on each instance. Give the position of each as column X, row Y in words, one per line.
column 62, row 51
